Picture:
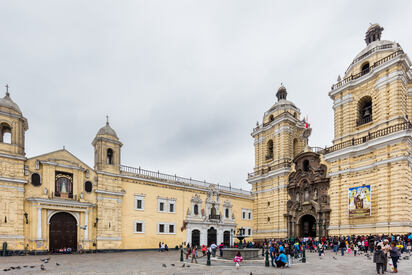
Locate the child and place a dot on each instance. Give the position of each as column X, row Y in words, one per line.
column 238, row 259
column 355, row 250
column 379, row 259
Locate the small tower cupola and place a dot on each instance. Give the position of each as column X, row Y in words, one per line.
column 373, row 33
column 12, row 126
column 282, row 93
column 107, row 149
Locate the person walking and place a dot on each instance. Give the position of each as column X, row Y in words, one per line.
column 213, row 247
column 221, row 246
column 342, row 247
column 188, row 251
column 379, row 259
column 238, row 259
column 385, row 248
column 194, row 254
column 272, row 254
column 394, row 253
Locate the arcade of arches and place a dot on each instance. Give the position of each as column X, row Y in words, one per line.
column 308, row 209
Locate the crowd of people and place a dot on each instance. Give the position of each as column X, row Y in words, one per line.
column 385, row 249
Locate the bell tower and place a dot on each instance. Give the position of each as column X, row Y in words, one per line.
column 278, row 139
column 12, row 127
column 107, row 150
column 371, row 148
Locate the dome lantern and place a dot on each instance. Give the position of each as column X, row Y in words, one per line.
column 373, row 33
column 282, row 93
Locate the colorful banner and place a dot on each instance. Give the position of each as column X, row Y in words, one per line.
column 360, row 201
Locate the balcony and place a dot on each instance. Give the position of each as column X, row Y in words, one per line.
column 214, row 217
column 364, row 120
column 64, row 195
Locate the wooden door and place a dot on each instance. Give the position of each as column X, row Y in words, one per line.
column 63, row 232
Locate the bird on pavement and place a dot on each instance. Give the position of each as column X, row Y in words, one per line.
column 163, row 265
column 57, row 264
column 183, row 265
column 42, row 267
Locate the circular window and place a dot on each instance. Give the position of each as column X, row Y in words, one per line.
column 35, row 179
column 88, row 186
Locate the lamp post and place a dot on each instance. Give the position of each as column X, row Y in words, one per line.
column 267, row 257
column 181, row 253
column 208, row 257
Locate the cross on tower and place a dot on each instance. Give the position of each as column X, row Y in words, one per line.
column 107, row 119
column 7, row 89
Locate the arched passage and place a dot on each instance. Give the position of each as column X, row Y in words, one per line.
column 211, row 236
column 307, row 226
column 63, row 232
column 195, row 237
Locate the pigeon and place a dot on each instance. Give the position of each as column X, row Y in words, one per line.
column 12, row 267
column 57, row 264
column 25, row 265
column 32, row 266
column 163, row 265
column 188, row 265
column 42, row 267
column 6, row 269
column 46, row 260
column 183, row 265
column 18, row 267
column 334, row 257
column 172, row 264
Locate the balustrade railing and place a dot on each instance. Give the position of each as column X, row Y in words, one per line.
column 358, row 75
column 176, row 179
column 372, row 135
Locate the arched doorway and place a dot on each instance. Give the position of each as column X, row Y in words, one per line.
column 195, row 237
column 226, row 238
column 211, row 236
column 63, row 232
column 307, row 226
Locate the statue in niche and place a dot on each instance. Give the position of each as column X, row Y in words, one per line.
column 306, row 195
column 315, row 195
column 297, row 196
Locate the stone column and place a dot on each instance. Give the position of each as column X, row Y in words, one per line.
column 39, row 224
column 86, row 224
column 189, row 235
column 203, row 236
column 219, row 237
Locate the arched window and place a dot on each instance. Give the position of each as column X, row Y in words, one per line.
column 364, row 110
column 5, row 133
column 227, row 213
column 35, row 179
column 88, row 186
column 365, row 68
column 306, row 165
column 196, row 209
column 271, row 118
column 109, row 156
column 269, row 154
column 295, row 147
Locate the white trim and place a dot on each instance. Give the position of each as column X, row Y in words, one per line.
column 283, row 186
column 286, row 116
column 370, row 166
column 273, row 173
column 62, row 165
column 283, row 129
column 86, row 225
column 171, row 202
column 159, row 201
column 101, row 238
column 11, row 237
column 10, row 156
column 386, row 79
column 136, row 198
column 11, row 180
column 109, row 192
column 39, row 223
column 20, row 189
column 61, row 202
column 166, row 228
column 410, row 91
column 51, row 213
column 374, row 143
column 371, row 225
column 371, row 74
column 143, row 227
column 340, row 101
column 199, row 188
column 271, row 231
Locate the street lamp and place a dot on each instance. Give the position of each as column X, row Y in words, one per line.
column 26, row 216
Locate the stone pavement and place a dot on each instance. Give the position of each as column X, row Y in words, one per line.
column 151, row 262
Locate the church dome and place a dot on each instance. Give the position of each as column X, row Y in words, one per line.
column 7, row 102
column 107, row 131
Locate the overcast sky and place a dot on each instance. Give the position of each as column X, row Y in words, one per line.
column 183, row 82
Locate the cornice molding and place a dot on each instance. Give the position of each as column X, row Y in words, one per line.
column 15, row 181
column 271, row 174
column 58, row 202
column 99, row 191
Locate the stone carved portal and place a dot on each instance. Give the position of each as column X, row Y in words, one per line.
column 308, row 207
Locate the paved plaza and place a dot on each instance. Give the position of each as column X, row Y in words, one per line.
column 150, row 262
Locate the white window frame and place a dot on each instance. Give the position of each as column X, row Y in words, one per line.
column 136, row 198
column 143, row 227
column 164, row 205
column 174, row 206
column 166, row 227
column 249, row 215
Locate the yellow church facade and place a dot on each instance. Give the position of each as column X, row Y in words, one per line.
column 56, row 201
column 362, row 183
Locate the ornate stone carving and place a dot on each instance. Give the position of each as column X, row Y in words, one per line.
column 308, row 190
